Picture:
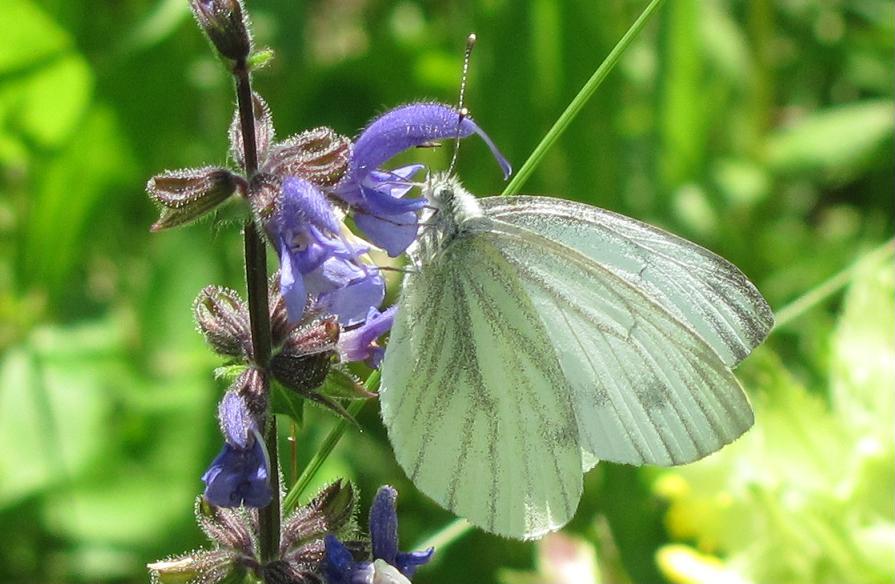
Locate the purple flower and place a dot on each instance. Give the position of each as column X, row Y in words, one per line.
column 389, row 564
column 359, row 344
column 239, row 473
column 316, row 259
column 382, row 212
column 345, row 287
column 239, row 477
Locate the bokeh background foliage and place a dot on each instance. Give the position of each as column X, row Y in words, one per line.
column 760, row 129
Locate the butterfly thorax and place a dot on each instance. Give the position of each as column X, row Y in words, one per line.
column 451, row 208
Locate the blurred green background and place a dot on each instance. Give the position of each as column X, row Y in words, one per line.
column 762, row 130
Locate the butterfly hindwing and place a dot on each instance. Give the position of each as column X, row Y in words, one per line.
column 645, row 387
column 477, row 407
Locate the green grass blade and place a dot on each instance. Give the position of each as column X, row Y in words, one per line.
column 831, row 286
column 446, row 535
column 332, row 439
column 582, row 98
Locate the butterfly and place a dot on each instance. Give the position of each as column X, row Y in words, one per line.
column 540, row 335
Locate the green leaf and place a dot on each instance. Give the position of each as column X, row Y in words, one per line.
column 681, row 94
column 48, row 85
column 229, row 373
column 260, row 59
column 836, row 142
column 862, row 367
column 29, row 35
column 69, row 190
column 341, row 383
column 54, row 406
column 287, row 403
column 54, row 100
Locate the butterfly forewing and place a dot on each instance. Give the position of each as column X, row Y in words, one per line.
column 477, row 406
column 699, row 288
column 644, row 386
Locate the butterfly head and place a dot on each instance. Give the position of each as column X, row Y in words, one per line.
column 451, row 203
column 450, row 207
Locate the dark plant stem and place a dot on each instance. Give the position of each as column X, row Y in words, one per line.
column 259, row 313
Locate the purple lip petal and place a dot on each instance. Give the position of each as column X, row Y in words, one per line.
column 292, row 286
column 350, row 303
column 358, row 344
column 382, row 201
column 345, row 290
column 393, row 234
column 239, row 477
column 405, row 173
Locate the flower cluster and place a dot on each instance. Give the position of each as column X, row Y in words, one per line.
column 235, row 553
column 325, row 311
column 304, row 357
column 327, row 301
column 320, row 259
column 388, row 565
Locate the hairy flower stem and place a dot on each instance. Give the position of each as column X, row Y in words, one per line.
column 259, row 314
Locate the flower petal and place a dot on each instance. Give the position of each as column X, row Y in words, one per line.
column 378, row 199
column 412, row 125
column 237, row 422
column 239, row 477
column 408, row 562
column 384, row 525
column 303, row 204
column 394, row 234
column 350, row 303
column 359, row 344
column 292, row 286
column 340, row 567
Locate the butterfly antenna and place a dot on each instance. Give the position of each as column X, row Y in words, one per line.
column 462, row 111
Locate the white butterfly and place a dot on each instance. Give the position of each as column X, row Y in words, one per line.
column 541, row 335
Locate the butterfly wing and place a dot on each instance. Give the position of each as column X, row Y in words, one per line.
column 475, row 402
column 646, row 388
column 697, row 287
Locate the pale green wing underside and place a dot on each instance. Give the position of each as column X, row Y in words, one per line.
column 646, row 388
column 699, row 288
column 477, row 407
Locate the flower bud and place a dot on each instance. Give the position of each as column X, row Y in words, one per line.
column 229, row 528
column 319, row 156
column 284, row 572
column 252, row 386
column 223, row 319
column 224, row 22
column 202, row 566
column 264, row 196
column 280, row 327
column 264, row 131
column 329, row 512
column 303, row 362
column 301, row 373
column 185, row 195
